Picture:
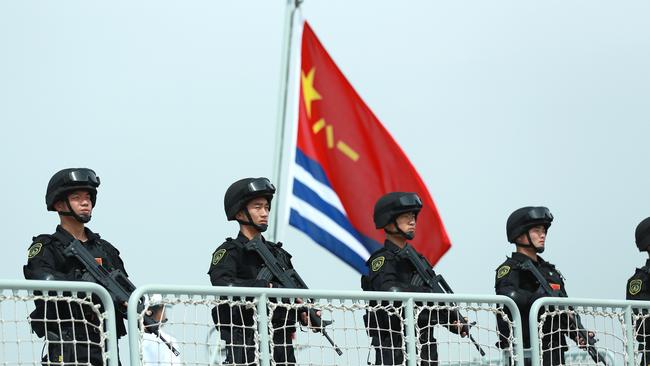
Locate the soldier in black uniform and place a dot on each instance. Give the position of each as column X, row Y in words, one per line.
column 527, row 228
column 249, row 202
column 638, row 289
column 396, row 213
column 72, row 193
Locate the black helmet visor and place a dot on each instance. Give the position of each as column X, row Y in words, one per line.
column 410, row 200
column 540, row 213
column 82, row 176
column 261, row 185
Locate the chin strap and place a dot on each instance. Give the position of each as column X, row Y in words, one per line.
column 530, row 245
column 82, row 219
column 407, row 235
column 261, row 228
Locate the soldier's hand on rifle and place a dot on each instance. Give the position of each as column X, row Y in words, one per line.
column 304, row 320
column 124, row 304
column 460, row 328
column 583, row 343
column 304, row 315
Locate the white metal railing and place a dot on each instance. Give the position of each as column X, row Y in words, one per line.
column 614, row 323
column 619, row 326
column 20, row 346
column 197, row 334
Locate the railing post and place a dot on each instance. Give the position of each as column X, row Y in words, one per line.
column 629, row 336
column 111, row 327
column 409, row 314
column 133, row 325
column 263, row 329
column 519, row 339
column 29, row 286
column 534, row 332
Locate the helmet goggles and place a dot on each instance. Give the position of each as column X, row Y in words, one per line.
column 81, row 176
column 539, row 213
column 410, row 200
column 261, row 185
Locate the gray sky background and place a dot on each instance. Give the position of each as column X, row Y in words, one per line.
column 498, row 104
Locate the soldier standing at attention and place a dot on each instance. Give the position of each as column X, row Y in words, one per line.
column 248, row 201
column 526, row 228
column 396, row 213
column 72, row 193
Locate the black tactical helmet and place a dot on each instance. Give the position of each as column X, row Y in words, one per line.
column 68, row 180
column 244, row 190
column 642, row 235
column 525, row 218
column 393, row 204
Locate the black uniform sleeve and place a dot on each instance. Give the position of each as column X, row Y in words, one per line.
column 507, row 283
column 42, row 263
column 637, row 289
column 384, row 278
column 223, row 269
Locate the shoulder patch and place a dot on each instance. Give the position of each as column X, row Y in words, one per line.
column 216, row 257
column 34, row 250
column 377, row 263
column 635, row 287
column 502, row 271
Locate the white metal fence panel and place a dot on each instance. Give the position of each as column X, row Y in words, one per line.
column 75, row 329
column 245, row 326
column 607, row 326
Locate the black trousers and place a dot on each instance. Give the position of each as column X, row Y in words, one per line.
column 61, row 348
column 240, row 346
column 283, row 352
column 553, row 357
column 388, row 350
column 643, row 337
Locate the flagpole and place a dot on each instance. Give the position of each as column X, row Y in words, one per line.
column 285, row 74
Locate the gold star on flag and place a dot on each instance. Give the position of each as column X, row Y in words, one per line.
column 308, row 91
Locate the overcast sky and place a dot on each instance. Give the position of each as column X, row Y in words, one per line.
column 498, row 104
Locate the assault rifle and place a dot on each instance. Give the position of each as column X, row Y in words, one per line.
column 117, row 284
column 289, row 278
column 426, row 276
column 574, row 319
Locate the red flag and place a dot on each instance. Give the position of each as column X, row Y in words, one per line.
column 359, row 158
